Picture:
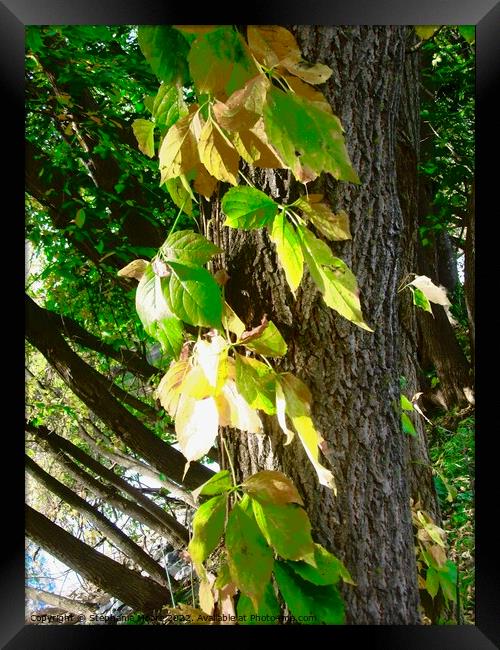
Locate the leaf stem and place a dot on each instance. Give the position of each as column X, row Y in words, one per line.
column 229, row 459
column 177, row 217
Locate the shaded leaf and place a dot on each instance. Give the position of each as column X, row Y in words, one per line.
column 432, row 581
column 315, row 604
column 218, row 154
column 306, row 136
column 468, row 32
column 328, row 570
column 286, row 528
column 204, row 183
column 288, row 249
column 254, row 147
column 273, row 486
column 249, row 557
column 179, row 151
column 193, row 295
column 448, row 581
column 419, row 299
column 425, row 32
column 244, row 107
column 247, row 208
column 143, row 131
column 256, row 383
column 208, row 527
column 189, row 246
column 218, row 484
column 80, row 217
column 335, row 226
column 168, row 105
column 165, row 49
column 179, row 194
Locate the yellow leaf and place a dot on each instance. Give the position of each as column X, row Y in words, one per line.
column 218, row 154
column 133, row 270
column 335, row 226
column 204, row 182
column 169, row 388
column 316, row 73
column 211, row 357
column 235, row 412
column 205, row 594
column 308, row 92
column 196, row 384
column 311, row 440
column 244, row 106
column 178, row 152
column 280, row 413
column 271, row 44
column 231, row 321
column 196, row 426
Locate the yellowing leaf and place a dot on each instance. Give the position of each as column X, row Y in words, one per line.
column 269, row 343
column 297, row 395
column 311, row 440
column 426, row 31
column 178, row 151
column 273, row 486
column 218, row 154
column 308, row 92
column 243, row 108
column 431, row 291
column 205, row 595
column 288, row 249
column 334, row 226
column 254, row 147
column 235, row 412
column 212, row 359
column 281, row 415
column 256, row 383
column 134, row 269
column 196, row 426
column 143, row 131
column 313, row 73
column 231, row 321
column 271, row 44
column 169, row 388
column 204, row 183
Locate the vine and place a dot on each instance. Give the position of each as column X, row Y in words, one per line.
column 221, row 99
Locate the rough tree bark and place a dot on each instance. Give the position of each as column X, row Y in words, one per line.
column 353, row 374
column 139, row 592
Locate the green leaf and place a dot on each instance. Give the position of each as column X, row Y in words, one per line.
column 328, row 571
column 180, row 195
column 266, row 614
column 249, row 557
column 448, row 581
column 432, row 581
column 286, row 528
column 155, row 314
column 189, row 246
column 288, row 249
column 208, row 527
column 420, row 300
column 256, row 382
column 338, row 285
column 306, row 137
column 272, row 486
column 309, row 603
column 468, row 32
column 247, row 208
column 407, row 425
column 193, row 295
column 218, row 484
column 406, row 405
column 166, row 50
column 269, row 343
column 80, row 217
column 143, row 131
column 219, row 63
column 168, row 106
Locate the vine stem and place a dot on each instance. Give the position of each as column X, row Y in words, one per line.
column 229, row 459
column 177, row 217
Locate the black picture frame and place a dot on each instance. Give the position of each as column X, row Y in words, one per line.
column 485, row 14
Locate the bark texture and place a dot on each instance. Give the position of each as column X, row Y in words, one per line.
column 130, row 587
column 353, row 374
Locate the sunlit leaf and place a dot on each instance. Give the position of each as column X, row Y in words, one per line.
column 206, row 596
column 256, row 383
column 273, row 486
column 134, row 269
column 269, row 343
column 468, row 32
column 208, row 527
column 266, row 613
column 407, row 425
column 165, row 49
column 170, row 387
column 196, row 426
column 247, row 208
column 193, row 295
column 218, row 484
column 168, row 105
column 189, row 246
column 312, row 603
column 143, row 131
column 328, row 570
column 254, row 147
column 235, row 412
column 306, row 136
column 288, row 249
column 420, row 300
column 211, row 357
column 430, row 290
column 231, row 321
column 281, row 414
column 286, row 528
column 244, row 107
column 249, row 557
column 406, row 405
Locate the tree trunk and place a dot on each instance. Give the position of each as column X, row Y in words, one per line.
column 353, row 374
column 470, row 265
column 107, row 527
column 143, row 594
column 93, row 389
column 140, row 507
